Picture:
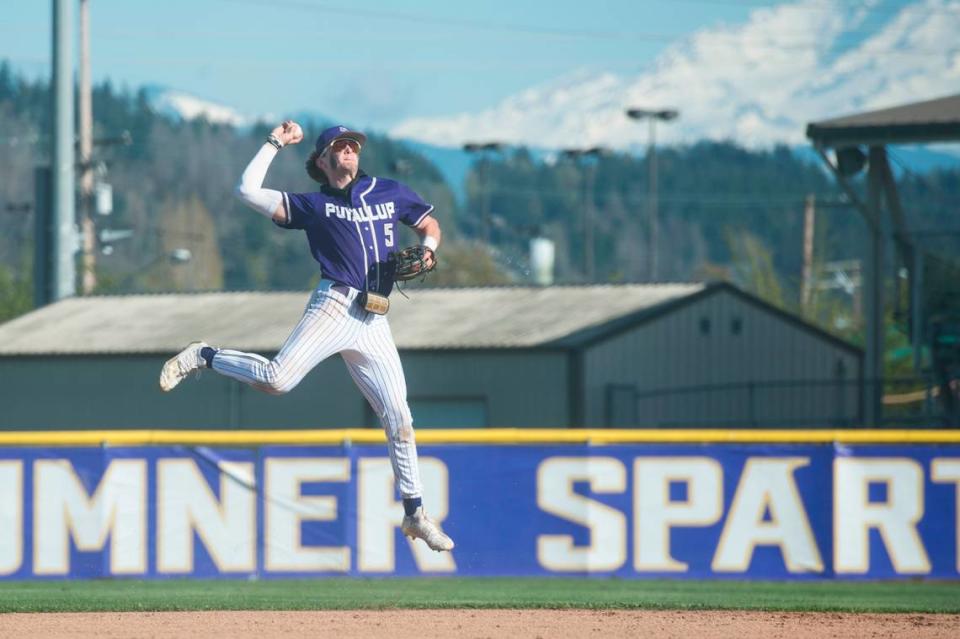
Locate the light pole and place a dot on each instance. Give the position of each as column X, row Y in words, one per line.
column 652, row 115
column 589, row 171
column 483, row 149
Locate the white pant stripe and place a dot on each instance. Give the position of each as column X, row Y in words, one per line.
column 381, row 341
column 333, row 324
column 377, row 372
column 316, row 340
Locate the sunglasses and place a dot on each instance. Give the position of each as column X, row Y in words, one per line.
column 341, row 144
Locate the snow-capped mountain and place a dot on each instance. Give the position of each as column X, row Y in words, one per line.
column 757, row 83
column 184, row 106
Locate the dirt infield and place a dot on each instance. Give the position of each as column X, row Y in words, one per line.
column 476, row 624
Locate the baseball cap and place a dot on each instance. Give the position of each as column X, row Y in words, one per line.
column 335, row 133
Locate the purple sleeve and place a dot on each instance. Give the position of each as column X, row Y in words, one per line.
column 412, row 207
column 299, row 209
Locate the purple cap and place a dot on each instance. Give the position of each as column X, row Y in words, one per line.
column 335, row 133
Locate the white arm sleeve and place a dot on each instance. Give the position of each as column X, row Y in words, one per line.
column 250, row 191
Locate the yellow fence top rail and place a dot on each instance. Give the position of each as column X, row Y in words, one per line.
column 474, row 436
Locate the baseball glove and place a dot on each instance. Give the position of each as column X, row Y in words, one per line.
column 411, row 263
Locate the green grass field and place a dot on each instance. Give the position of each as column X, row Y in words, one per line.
column 331, row 594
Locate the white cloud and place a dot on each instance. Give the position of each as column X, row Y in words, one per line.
column 758, row 83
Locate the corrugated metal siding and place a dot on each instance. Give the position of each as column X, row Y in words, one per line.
column 44, row 393
column 672, row 355
column 121, row 392
column 523, row 389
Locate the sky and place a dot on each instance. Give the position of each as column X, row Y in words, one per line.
column 536, row 72
column 374, row 65
column 759, row 82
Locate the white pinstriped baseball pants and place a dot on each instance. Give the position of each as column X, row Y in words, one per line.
column 333, row 323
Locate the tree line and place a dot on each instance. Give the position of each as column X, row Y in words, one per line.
column 724, row 212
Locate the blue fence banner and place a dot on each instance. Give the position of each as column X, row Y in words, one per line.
column 714, row 511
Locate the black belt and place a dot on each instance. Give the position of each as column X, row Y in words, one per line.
column 367, row 300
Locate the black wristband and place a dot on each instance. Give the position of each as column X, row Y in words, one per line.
column 276, row 143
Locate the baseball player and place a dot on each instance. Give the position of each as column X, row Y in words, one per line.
column 351, row 228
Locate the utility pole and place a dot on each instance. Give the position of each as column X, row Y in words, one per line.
column 64, row 237
column 88, row 231
column 589, row 221
column 806, row 282
column 873, row 290
column 483, row 165
column 586, row 161
column 653, row 223
column 653, row 216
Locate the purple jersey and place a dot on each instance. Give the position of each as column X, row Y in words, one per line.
column 352, row 231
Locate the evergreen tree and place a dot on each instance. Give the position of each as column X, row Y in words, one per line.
column 708, row 193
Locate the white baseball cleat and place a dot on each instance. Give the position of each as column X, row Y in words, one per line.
column 419, row 525
column 177, row 368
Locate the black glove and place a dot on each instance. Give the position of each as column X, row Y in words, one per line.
column 411, row 262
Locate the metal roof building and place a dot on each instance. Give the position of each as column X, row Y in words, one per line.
column 935, row 120
column 618, row 355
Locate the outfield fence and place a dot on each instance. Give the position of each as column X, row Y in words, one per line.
column 704, row 504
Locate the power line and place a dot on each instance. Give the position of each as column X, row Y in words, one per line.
column 192, row 34
column 486, row 65
column 828, row 6
column 605, row 35
column 447, row 63
column 421, row 19
column 703, row 200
